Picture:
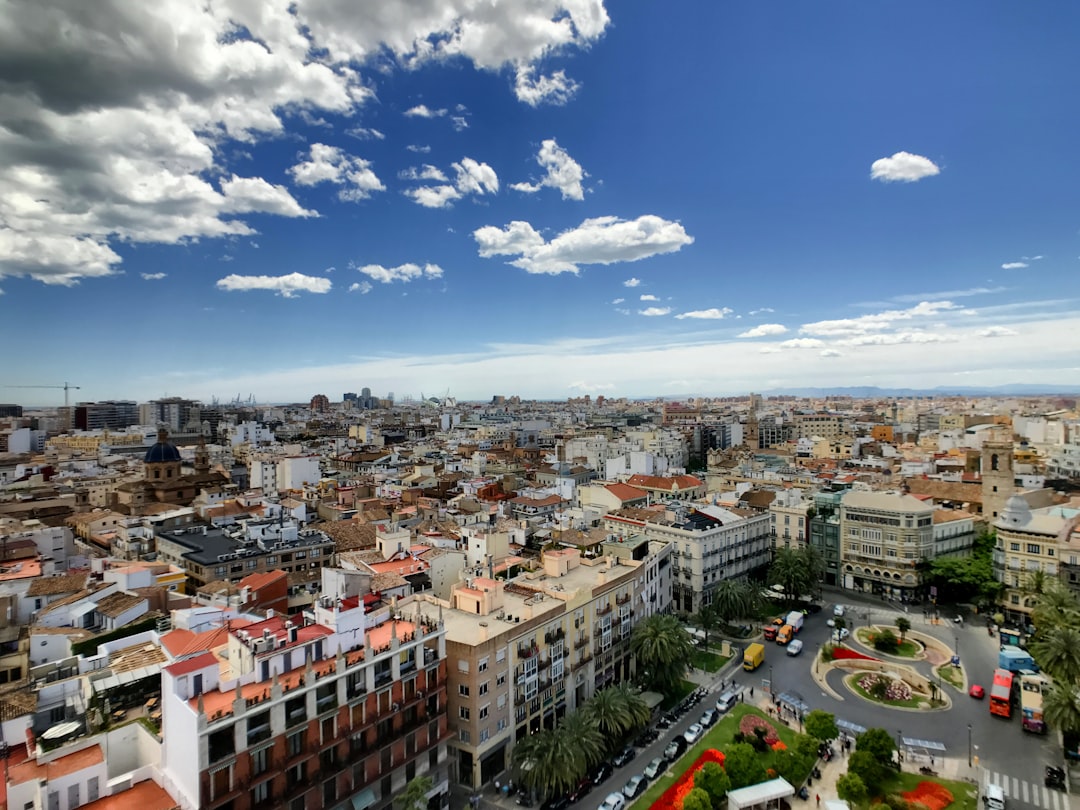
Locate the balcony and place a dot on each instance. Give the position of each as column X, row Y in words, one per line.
column 623, row 600
column 582, row 642
column 604, row 610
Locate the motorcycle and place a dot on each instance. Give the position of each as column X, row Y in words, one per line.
column 927, row 771
column 1055, row 778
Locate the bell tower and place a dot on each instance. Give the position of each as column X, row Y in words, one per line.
column 998, row 478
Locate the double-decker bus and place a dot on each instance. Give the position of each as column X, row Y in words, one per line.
column 1031, row 702
column 1001, row 693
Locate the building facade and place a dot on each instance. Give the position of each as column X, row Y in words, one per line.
column 883, row 538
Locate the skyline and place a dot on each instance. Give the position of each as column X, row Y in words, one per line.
column 578, row 199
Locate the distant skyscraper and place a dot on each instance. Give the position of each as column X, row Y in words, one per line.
column 320, row 403
column 348, row 397
column 109, row 415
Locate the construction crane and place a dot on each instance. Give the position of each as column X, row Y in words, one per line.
column 66, row 386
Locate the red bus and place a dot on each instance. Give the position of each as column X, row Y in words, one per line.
column 1001, row 693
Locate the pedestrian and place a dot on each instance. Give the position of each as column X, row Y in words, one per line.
column 818, row 797
column 751, row 692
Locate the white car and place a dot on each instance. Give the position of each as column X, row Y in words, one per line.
column 614, row 801
column 693, row 734
column 654, row 768
column 831, row 623
column 794, row 647
column 838, row 610
column 841, row 634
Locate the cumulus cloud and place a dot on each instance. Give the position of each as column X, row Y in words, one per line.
column 603, row 240
column 759, row 311
column 115, row 130
column 802, row 343
column 365, row 134
column 403, row 272
column 535, row 89
column 585, row 387
column 329, row 164
column 563, row 172
column 471, row 177
column 423, row 111
column 764, row 330
column 654, row 312
column 153, row 276
column 876, row 322
column 713, row 314
column 996, row 331
column 425, row 172
column 648, row 297
column 897, row 339
column 1014, row 265
column 362, row 287
column 418, row 149
column 285, row 286
column 632, row 282
column 903, row 167
column 618, row 301
column 459, row 123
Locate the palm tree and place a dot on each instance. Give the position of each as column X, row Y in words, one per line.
column 1057, row 606
column 708, row 617
column 1057, row 651
column 663, row 649
column 903, row 624
column 588, row 740
column 548, row 762
column 1061, row 707
column 634, row 707
column 607, row 712
column 789, row 571
column 813, row 566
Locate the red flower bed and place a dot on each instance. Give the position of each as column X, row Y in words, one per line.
column 847, row 652
column 672, row 798
column 752, row 721
column 931, row 795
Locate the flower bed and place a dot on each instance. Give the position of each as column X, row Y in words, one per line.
column 672, row 798
column 840, row 653
column 897, row 689
column 752, row 721
column 931, row 795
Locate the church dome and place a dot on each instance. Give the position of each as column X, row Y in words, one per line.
column 162, row 451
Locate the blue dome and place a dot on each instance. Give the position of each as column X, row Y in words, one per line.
column 162, row 451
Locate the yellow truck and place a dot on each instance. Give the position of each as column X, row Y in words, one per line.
column 785, row 635
column 753, row 657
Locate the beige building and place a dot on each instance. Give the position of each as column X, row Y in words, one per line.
column 883, row 536
column 1029, row 541
column 826, row 425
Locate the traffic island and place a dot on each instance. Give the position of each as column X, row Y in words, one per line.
column 906, row 647
column 892, row 689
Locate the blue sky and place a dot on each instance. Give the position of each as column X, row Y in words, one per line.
column 543, row 199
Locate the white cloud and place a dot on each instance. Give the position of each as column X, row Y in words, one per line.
column 764, row 330
column 648, row 297
column 433, row 196
column 713, row 314
column 471, row 177
column 459, row 123
column 153, row 276
column 563, row 172
column 418, row 149
column 654, row 312
column 897, row 338
column 329, row 164
column 632, row 282
column 997, row 331
column 1031, row 258
column 603, row 240
column 425, row 172
column 903, row 167
column 946, row 294
column 876, row 322
column 759, row 311
column 618, row 301
column 533, row 89
column 831, row 353
column 285, row 286
column 403, row 272
column 802, row 343
column 365, row 134
column 581, row 385
column 1014, row 265
column 362, row 287
column 423, row 111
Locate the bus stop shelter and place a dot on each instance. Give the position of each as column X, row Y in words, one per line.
column 764, row 795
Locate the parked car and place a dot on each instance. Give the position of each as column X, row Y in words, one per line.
column 708, row 717
column 977, row 691
column 841, row 634
column 693, row 734
column 624, row 757
column 675, row 749
column 613, row 801
column 600, row 773
column 633, row 788
column 583, row 787
column 654, row 768
column 838, row 610
column 794, row 647
column 556, row 803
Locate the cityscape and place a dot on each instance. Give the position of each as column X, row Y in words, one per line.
column 542, row 404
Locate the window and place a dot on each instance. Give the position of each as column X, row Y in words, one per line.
column 295, row 743
column 260, row 760
column 484, row 711
column 464, row 735
column 500, row 655
column 484, row 688
column 261, row 792
column 463, row 712
column 1034, row 548
column 462, row 665
column 463, row 689
column 500, row 680
column 1014, row 546
column 482, row 665
column 484, row 734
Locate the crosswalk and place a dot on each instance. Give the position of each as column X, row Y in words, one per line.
column 1032, row 793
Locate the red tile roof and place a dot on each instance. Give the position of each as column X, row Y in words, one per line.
column 192, row 664
column 625, row 492
column 660, row 482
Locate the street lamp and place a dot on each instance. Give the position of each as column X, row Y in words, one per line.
column 969, row 745
column 899, row 748
column 772, row 685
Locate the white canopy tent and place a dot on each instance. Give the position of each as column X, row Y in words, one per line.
column 760, row 795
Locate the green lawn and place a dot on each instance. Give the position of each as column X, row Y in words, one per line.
column 708, row 661
column 684, row 689
column 951, row 675
column 719, row 737
column 964, row 793
column 915, row 702
column 905, row 649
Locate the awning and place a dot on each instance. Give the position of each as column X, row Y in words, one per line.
column 926, row 745
column 364, row 799
column 846, row 725
column 759, row 794
column 795, row 701
column 122, row 679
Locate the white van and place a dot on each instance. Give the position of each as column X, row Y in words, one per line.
column 727, row 701
column 994, row 798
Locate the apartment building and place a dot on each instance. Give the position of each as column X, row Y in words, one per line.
column 1027, row 542
column 710, row 544
column 524, row 652
column 955, row 532
column 826, row 425
column 883, row 537
column 825, row 533
column 338, row 709
column 788, row 519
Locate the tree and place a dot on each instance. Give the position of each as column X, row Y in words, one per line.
column 615, row 711
column 1056, row 607
column 813, row 567
column 743, row 766
column 1057, row 651
column 414, row 797
column 878, row 743
column 886, row 641
column 729, row 600
column 548, row 762
column 708, row 617
column 588, row 740
column 788, row 570
column 714, row 780
column 634, row 707
column 868, row 769
column 903, row 624
column 1061, row 707
column 851, row 789
column 663, row 649
column 697, row 799
column 821, row 725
